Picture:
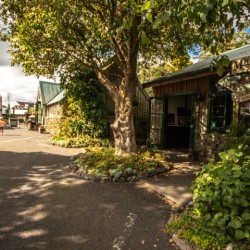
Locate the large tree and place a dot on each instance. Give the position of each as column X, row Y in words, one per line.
column 48, row 36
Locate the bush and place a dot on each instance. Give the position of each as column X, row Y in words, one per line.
column 79, row 142
column 221, row 199
column 189, row 227
column 222, row 193
column 237, row 134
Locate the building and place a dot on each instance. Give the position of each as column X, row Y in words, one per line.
column 193, row 107
column 50, row 107
column 46, row 92
column 55, row 113
column 21, row 109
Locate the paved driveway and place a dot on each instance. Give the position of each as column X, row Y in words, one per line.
column 42, row 206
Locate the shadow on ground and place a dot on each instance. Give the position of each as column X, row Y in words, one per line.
column 45, row 207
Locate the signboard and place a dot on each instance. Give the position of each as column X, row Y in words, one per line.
column 244, row 98
column 240, row 66
column 239, row 85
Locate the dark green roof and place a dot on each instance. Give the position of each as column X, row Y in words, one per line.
column 48, row 91
column 201, row 66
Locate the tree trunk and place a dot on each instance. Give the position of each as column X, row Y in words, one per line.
column 123, row 89
column 123, row 126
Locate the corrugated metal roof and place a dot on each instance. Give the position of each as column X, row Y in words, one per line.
column 201, row 66
column 57, row 98
column 48, row 91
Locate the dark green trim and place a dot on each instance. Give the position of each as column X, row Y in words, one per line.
column 192, row 126
column 226, row 113
column 162, row 144
column 162, row 131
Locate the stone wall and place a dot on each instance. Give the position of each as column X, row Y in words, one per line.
column 52, row 125
column 208, row 145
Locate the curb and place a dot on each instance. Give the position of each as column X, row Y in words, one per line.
column 181, row 244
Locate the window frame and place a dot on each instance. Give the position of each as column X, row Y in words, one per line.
column 227, row 108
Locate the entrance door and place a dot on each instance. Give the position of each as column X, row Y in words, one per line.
column 180, row 124
column 172, row 122
column 157, row 121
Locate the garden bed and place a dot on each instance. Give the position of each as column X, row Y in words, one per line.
column 101, row 164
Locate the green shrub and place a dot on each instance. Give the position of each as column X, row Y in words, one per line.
column 79, row 142
column 221, row 199
column 237, row 134
column 100, row 161
column 221, row 193
column 189, row 227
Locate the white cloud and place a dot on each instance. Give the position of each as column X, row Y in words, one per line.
column 14, row 82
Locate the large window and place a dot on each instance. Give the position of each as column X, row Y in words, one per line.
column 220, row 108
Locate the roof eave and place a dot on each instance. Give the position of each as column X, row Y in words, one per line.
column 179, row 78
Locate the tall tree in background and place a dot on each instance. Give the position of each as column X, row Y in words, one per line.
column 155, row 70
column 47, row 37
column 239, row 39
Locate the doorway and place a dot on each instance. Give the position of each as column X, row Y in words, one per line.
column 172, row 122
column 179, row 122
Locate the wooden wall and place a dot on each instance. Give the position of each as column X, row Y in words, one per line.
column 141, row 107
column 200, row 85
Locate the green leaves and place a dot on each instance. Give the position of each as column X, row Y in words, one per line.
column 144, row 38
column 102, row 161
column 235, row 223
column 129, row 170
column 220, row 64
column 146, row 5
column 225, row 2
column 205, row 9
column 221, row 193
column 149, row 5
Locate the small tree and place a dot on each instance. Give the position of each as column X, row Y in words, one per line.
column 85, row 105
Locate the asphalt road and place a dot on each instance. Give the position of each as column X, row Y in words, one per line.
column 42, row 206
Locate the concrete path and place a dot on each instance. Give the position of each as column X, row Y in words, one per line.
column 175, row 185
column 42, row 206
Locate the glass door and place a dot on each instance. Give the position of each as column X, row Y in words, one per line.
column 157, row 121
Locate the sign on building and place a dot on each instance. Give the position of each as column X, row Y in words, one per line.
column 240, row 66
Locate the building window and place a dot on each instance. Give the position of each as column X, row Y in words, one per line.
column 220, row 108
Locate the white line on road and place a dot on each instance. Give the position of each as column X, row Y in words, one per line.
column 119, row 242
column 21, row 139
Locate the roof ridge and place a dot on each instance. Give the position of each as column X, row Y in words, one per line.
column 41, row 81
column 201, row 65
column 247, row 45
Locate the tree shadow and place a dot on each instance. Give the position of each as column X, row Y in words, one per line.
column 45, row 207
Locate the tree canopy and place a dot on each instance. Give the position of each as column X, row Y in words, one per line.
column 48, row 37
